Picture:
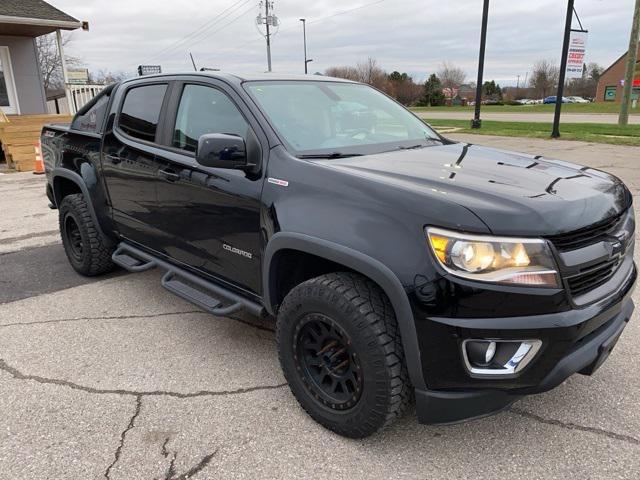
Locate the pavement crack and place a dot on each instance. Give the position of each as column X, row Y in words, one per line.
column 106, row 317
column 251, row 324
column 128, row 317
column 123, row 436
column 196, row 468
column 171, row 471
column 18, row 375
column 574, row 426
column 163, row 450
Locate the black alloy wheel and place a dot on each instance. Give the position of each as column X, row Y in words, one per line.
column 341, row 352
column 327, row 362
column 74, row 238
column 87, row 248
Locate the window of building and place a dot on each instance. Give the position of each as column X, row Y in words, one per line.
column 610, row 93
column 141, row 111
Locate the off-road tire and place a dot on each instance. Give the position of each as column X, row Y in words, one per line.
column 362, row 311
column 88, row 251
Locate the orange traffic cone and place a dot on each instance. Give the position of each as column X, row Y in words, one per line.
column 39, row 162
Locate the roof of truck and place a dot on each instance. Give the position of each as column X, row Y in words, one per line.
column 249, row 77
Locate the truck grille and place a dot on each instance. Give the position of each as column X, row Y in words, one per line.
column 592, row 277
column 584, row 236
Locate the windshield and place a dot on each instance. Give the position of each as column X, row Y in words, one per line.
column 318, row 118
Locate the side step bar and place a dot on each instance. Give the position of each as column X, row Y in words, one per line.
column 209, row 296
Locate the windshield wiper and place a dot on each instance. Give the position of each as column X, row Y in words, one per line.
column 412, row 147
column 331, row 155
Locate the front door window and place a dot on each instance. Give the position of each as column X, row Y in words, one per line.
column 8, row 102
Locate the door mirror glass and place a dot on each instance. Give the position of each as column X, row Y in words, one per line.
column 221, row 150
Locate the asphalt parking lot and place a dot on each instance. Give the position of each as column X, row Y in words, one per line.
column 115, row 378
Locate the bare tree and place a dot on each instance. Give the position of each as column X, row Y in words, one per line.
column 544, row 78
column 593, row 71
column 348, row 73
column 451, row 76
column 50, row 62
column 365, row 72
column 107, row 77
column 369, row 72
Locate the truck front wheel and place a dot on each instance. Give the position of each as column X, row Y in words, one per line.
column 89, row 253
column 341, row 353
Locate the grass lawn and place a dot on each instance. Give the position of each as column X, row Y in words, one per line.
column 588, row 108
column 588, row 132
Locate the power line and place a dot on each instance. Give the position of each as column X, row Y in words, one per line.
column 226, row 13
column 321, row 19
column 346, row 11
column 203, row 28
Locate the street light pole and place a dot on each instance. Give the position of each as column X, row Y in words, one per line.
column 304, row 36
column 563, row 69
column 476, row 122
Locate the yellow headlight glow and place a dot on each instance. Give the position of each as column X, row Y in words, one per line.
column 522, row 261
column 439, row 245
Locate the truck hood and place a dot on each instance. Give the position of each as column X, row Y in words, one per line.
column 512, row 193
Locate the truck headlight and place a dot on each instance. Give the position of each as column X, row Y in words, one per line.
column 521, row 261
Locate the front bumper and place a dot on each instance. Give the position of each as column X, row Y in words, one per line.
column 575, row 341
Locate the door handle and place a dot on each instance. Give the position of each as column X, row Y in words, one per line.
column 169, row 175
column 115, row 159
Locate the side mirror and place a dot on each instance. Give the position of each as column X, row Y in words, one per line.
column 221, row 150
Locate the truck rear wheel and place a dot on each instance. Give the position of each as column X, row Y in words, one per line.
column 341, row 353
column 89, row 253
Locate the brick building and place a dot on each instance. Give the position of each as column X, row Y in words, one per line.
column 612, row 80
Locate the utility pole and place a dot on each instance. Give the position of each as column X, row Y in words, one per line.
column 632, row 58
column 476, row 122
column 266, row 14
column 518, row 83
column 304, row 36
column 269, row 20
column 563, row 69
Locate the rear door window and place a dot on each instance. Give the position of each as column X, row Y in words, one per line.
column 140, row 111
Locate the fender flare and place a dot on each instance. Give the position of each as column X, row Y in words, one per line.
column 79, row 181
column 363, row 264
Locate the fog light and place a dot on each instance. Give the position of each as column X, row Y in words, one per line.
column 490, row 358
column 480, row 353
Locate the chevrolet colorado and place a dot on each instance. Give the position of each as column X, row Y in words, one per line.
column 400, row 265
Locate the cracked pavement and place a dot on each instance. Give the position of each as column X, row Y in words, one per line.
column 115, row 378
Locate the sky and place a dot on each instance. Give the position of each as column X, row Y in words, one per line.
column 413, row 36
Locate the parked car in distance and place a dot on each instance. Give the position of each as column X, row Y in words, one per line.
column 577, row 100
column 397, row 264
column 553, row 99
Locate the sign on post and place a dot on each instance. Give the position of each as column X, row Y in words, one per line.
column 78, row 76
column 577, row 53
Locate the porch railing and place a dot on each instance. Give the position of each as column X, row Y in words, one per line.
column 80, row 95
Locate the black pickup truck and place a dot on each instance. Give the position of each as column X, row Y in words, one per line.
column 400, row 265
